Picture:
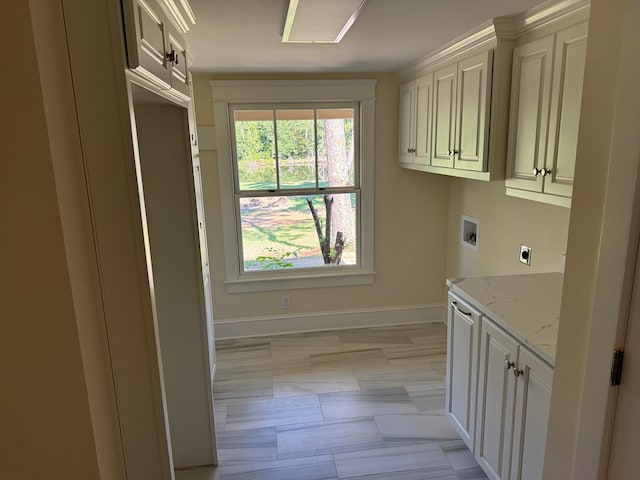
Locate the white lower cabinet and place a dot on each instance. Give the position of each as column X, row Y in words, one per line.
column 460, row 392
column 497, row 395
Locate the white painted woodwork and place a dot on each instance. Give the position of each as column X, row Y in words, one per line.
column 423, row 123
column 546, row 96
column 179, row 264
column 179, row 68
column 406, row 122
column 415, row 125
column 533, row 395
column 462, row 354
column 530, row 90
column 566, row 98
column 625, row 435
column 148, row 42
column 471, row 133
column 150, row 38
column 495, row 401
column 444, row 113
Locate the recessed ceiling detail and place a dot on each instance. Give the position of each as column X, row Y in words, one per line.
column 320, row 21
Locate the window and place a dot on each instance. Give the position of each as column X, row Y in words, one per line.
column 296, row 168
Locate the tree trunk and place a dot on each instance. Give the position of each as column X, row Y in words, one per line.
column 338, row 162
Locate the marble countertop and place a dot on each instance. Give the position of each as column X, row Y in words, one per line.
column 526, row 306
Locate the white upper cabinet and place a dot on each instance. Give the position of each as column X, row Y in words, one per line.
column 459, row 97
column 407, row 118
column 546, row 95
column 424, row 110
column 444, row 114
column 566, row 98
column 156, row 49
column 472, row 114
column 530, row 90
column 414, row 132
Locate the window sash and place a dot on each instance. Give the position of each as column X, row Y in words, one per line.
column 274, row 107
column 298, row 271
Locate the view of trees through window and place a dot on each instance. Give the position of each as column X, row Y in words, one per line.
column 296, row 188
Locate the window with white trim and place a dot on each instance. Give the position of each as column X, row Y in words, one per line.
column 296, row 169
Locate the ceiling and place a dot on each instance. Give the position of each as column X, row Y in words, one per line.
column 245, row 36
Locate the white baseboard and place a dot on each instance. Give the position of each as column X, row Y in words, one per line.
column 310, row 322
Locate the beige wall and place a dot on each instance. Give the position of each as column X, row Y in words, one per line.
column 46, row 423
column 410, row 225
column 505, row 224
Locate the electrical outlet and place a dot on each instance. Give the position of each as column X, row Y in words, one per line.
column 525, row 254
column 285, row 301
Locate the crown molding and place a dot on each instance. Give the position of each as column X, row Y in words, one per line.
column 502, row 28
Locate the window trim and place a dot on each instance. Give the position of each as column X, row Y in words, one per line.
column 227, row 92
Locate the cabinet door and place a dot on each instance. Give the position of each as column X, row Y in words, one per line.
column 424, row 110
column 533, row 393
column 566, row 98
column 462, row 350
column 146, row 42
column 406, row 123
column 474, row 80
column 444, row 112
column 530, row 89
column 496, row 393
column 177, row 51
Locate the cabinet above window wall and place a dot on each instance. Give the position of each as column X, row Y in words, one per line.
column 460, row 109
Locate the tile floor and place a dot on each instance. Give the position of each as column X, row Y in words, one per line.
column 353, row 404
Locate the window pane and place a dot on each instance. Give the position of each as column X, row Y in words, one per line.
column 255, row 149
column 335, row 147
column 296, row 140
column 279, row 232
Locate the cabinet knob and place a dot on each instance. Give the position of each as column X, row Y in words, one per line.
column 454, row 152
column 517, row 372
column 408, row 150
column 508, row 365
column 545, row 172
column 536, row 171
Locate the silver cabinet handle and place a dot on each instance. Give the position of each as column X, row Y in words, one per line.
column 545, row 171
column 458, row 309
column 536, row 171
column 517, row 372
column 508, row 365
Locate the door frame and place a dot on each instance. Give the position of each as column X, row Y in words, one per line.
column 614, row 253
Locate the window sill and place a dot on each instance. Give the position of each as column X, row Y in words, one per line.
column 266, row 284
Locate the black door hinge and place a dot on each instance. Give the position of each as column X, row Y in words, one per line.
column 616, row 367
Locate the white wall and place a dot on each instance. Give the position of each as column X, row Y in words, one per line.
column 410, row 225
column 505, row 224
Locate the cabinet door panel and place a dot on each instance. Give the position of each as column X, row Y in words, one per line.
column 474, row 78
column 444, row 111
column 533, row 394
column 462, row 341
column 406, row 120
column 147, row 56
column 179, row 67
column 566, row 98
column 424, row 108
column 530, row 89
column 496, row 393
